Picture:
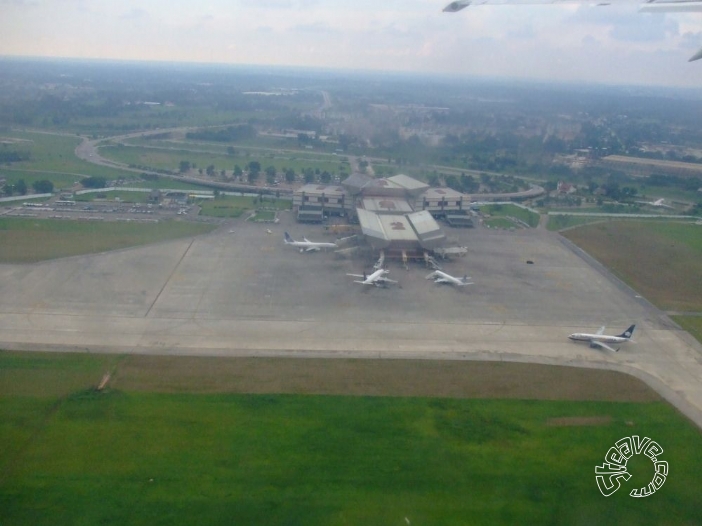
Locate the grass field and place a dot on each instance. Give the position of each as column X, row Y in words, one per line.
column 124, row 196
column 60, row 181
column 234, row 206
column 692, row 324
column 561, row 222
column 662, row 261
column 150, row 117
column 203, row 155
column 164, row 182
column 146, row 455
column 263, row 215
column 30, row 240
column 55, row 153
column 530, row 218
column 500, row 222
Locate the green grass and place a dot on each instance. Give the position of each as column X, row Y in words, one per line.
column 263, row 215
column 235, row 206
column 164, row 182
column 560, row 222
column 55, row 153
column 661, row 260
column 530, row 218
column 60, row 181
column 147, row 118
column 692, row 324
column 500, row 222
column 205, row 154
column 74, row 456
column 125, row 197
column 30, row 240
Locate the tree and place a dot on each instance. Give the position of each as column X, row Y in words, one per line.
column 184, row 166
column 469, row 184
column 453, row 183
column 254, row 167
column 8, row 189
column 325, row 177
column 43, row 187
column 238, row 172
column 210, row 170
column 290, row 175
column 309, row 175
column 21, row 187
column 94, row 182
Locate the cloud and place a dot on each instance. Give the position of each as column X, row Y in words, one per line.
column 135, row 14
column 316, row 28
column 650, row 28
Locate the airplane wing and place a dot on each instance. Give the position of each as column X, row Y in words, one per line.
column 430, row 275
column 386, row 280
column 356, row 275
column 601, row 331
column 441, row 280
column 661, row 5
column 310, row 249
column 647, row 6
column 594, row 343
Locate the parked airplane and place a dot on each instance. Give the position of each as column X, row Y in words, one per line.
column 648, row 6
column 307, row 245
column 442, row 277
column 657, row 202
column 377, row 278
column 599, row 339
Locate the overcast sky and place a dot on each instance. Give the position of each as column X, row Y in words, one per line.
column 613, row 44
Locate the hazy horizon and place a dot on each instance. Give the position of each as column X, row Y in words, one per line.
column 603, row 45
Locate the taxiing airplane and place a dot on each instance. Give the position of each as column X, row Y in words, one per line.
column 647, row 6
column 599, row 339
column 307, row 245
column 657, row 202
column 377, row 278
column 442, row 277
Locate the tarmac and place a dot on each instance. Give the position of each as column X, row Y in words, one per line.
column 240, row 291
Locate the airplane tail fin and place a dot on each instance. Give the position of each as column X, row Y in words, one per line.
column 288, row 239
column 628, row 333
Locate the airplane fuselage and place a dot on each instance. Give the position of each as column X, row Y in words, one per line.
column 447, row 279
column 374, row 277
column 310, row 244
column 585, row 337
column 307, row 244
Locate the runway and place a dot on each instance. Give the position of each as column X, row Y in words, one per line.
column 245, row 294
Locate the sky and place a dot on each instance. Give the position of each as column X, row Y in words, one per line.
column 602, row 44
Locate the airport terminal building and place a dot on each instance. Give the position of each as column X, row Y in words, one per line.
column 397, row 214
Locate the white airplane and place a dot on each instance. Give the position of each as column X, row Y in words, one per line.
column 442, row 277
column 648, row 6
column 307, row 245
column 599, row 339
column 377, row 278
column 657, row 202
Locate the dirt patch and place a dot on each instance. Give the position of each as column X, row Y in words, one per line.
column 579, row 421
column 453, row 379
